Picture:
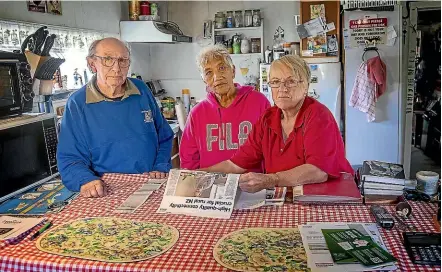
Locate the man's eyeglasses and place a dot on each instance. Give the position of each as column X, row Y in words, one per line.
column 290, row 83
column 110, row 61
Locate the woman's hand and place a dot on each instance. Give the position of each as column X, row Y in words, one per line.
column 255, row 182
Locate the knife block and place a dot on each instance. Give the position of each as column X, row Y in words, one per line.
column 39, row 87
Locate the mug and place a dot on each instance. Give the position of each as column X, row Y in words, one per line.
column 427, row 182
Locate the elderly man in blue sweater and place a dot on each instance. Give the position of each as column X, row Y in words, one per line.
column 111, row 125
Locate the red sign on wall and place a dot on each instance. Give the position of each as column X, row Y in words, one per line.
column 367, row 29
column 368, row 23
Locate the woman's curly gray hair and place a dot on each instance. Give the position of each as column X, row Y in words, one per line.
column 211, row 52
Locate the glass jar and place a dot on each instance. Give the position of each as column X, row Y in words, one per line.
column 219, row 20
column 256, row 45
column 238, row 18
column 248, row 18
column 256, row 17
column 230, row 20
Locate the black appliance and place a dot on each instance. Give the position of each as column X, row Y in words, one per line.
column 28, row 146
column 16, row 95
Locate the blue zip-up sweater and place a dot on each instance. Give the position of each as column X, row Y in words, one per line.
column 128, row 136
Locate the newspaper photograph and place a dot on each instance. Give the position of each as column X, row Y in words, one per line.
column 199, row 193
column 319, row 258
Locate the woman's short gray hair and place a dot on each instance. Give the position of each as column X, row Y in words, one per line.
column 295, row 63
column 208, row 53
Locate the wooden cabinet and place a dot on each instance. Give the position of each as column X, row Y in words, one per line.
column 175, row 157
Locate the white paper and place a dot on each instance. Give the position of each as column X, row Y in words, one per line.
column 276, row 196
column 347, row 44
column 307, row 53
column 315, row 27
column 319, row 258
column 13, row 226
column 199, row 193
column 247, row 201
column 134, row 201
column 370, row 16
column 391, row 33
column 138, row 198
column 330, row 27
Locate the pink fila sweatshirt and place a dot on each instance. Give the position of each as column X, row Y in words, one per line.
column 213, row 133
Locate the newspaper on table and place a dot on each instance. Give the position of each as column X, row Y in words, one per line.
column 137, row 199
column 13, row 226
column 319, row 258
column 249, row 201
column 266, row 197
column 199, row 193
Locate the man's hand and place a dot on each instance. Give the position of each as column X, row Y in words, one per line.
column 255, row 182
column 157, row 175
column 95, row 188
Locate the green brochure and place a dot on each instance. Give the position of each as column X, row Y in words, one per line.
column 363, row 248
column 339, row 255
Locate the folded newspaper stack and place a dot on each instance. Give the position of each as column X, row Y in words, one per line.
column 329, row 247
column 199, row 193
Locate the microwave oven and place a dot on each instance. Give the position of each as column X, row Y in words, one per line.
column 28, row 146
column 16, row 95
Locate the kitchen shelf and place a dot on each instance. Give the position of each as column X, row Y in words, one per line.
column 237, row 28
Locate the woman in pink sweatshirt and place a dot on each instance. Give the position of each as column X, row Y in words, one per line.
column 218, row 125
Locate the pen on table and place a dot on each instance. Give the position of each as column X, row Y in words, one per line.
column 41, row 230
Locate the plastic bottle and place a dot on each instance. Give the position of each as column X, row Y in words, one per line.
column 180, row 113
column 186, row 99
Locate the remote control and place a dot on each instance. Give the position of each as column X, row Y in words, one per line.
column 382, row 216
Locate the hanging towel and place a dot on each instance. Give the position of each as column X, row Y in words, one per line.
column 378, row 74
column 370, row 84
column 363, row 93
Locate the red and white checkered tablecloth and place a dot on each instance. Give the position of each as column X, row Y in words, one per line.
column 193, row 251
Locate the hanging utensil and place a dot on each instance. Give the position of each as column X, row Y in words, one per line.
column 40, row 40
column 48, row 45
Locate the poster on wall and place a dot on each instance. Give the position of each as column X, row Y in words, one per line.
column 317, row 11
column 332, row 45
column 54, row 7
column 363, row 29
column 37, row 6
column 317, row 44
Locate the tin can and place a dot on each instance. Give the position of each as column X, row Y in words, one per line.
column 153, row 9
column 134, row 10
column 144, row 8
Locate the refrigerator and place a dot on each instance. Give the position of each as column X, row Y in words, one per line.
column 325, row 85
column 381, row 139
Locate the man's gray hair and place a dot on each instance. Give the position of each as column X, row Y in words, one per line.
column 94, row 44
column 93, row 48
column 211, row 52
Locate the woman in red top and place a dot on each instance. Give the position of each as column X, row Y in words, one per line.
column 298, row 140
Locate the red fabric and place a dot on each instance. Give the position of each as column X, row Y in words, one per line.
column 315, row 140
column 377, row 73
